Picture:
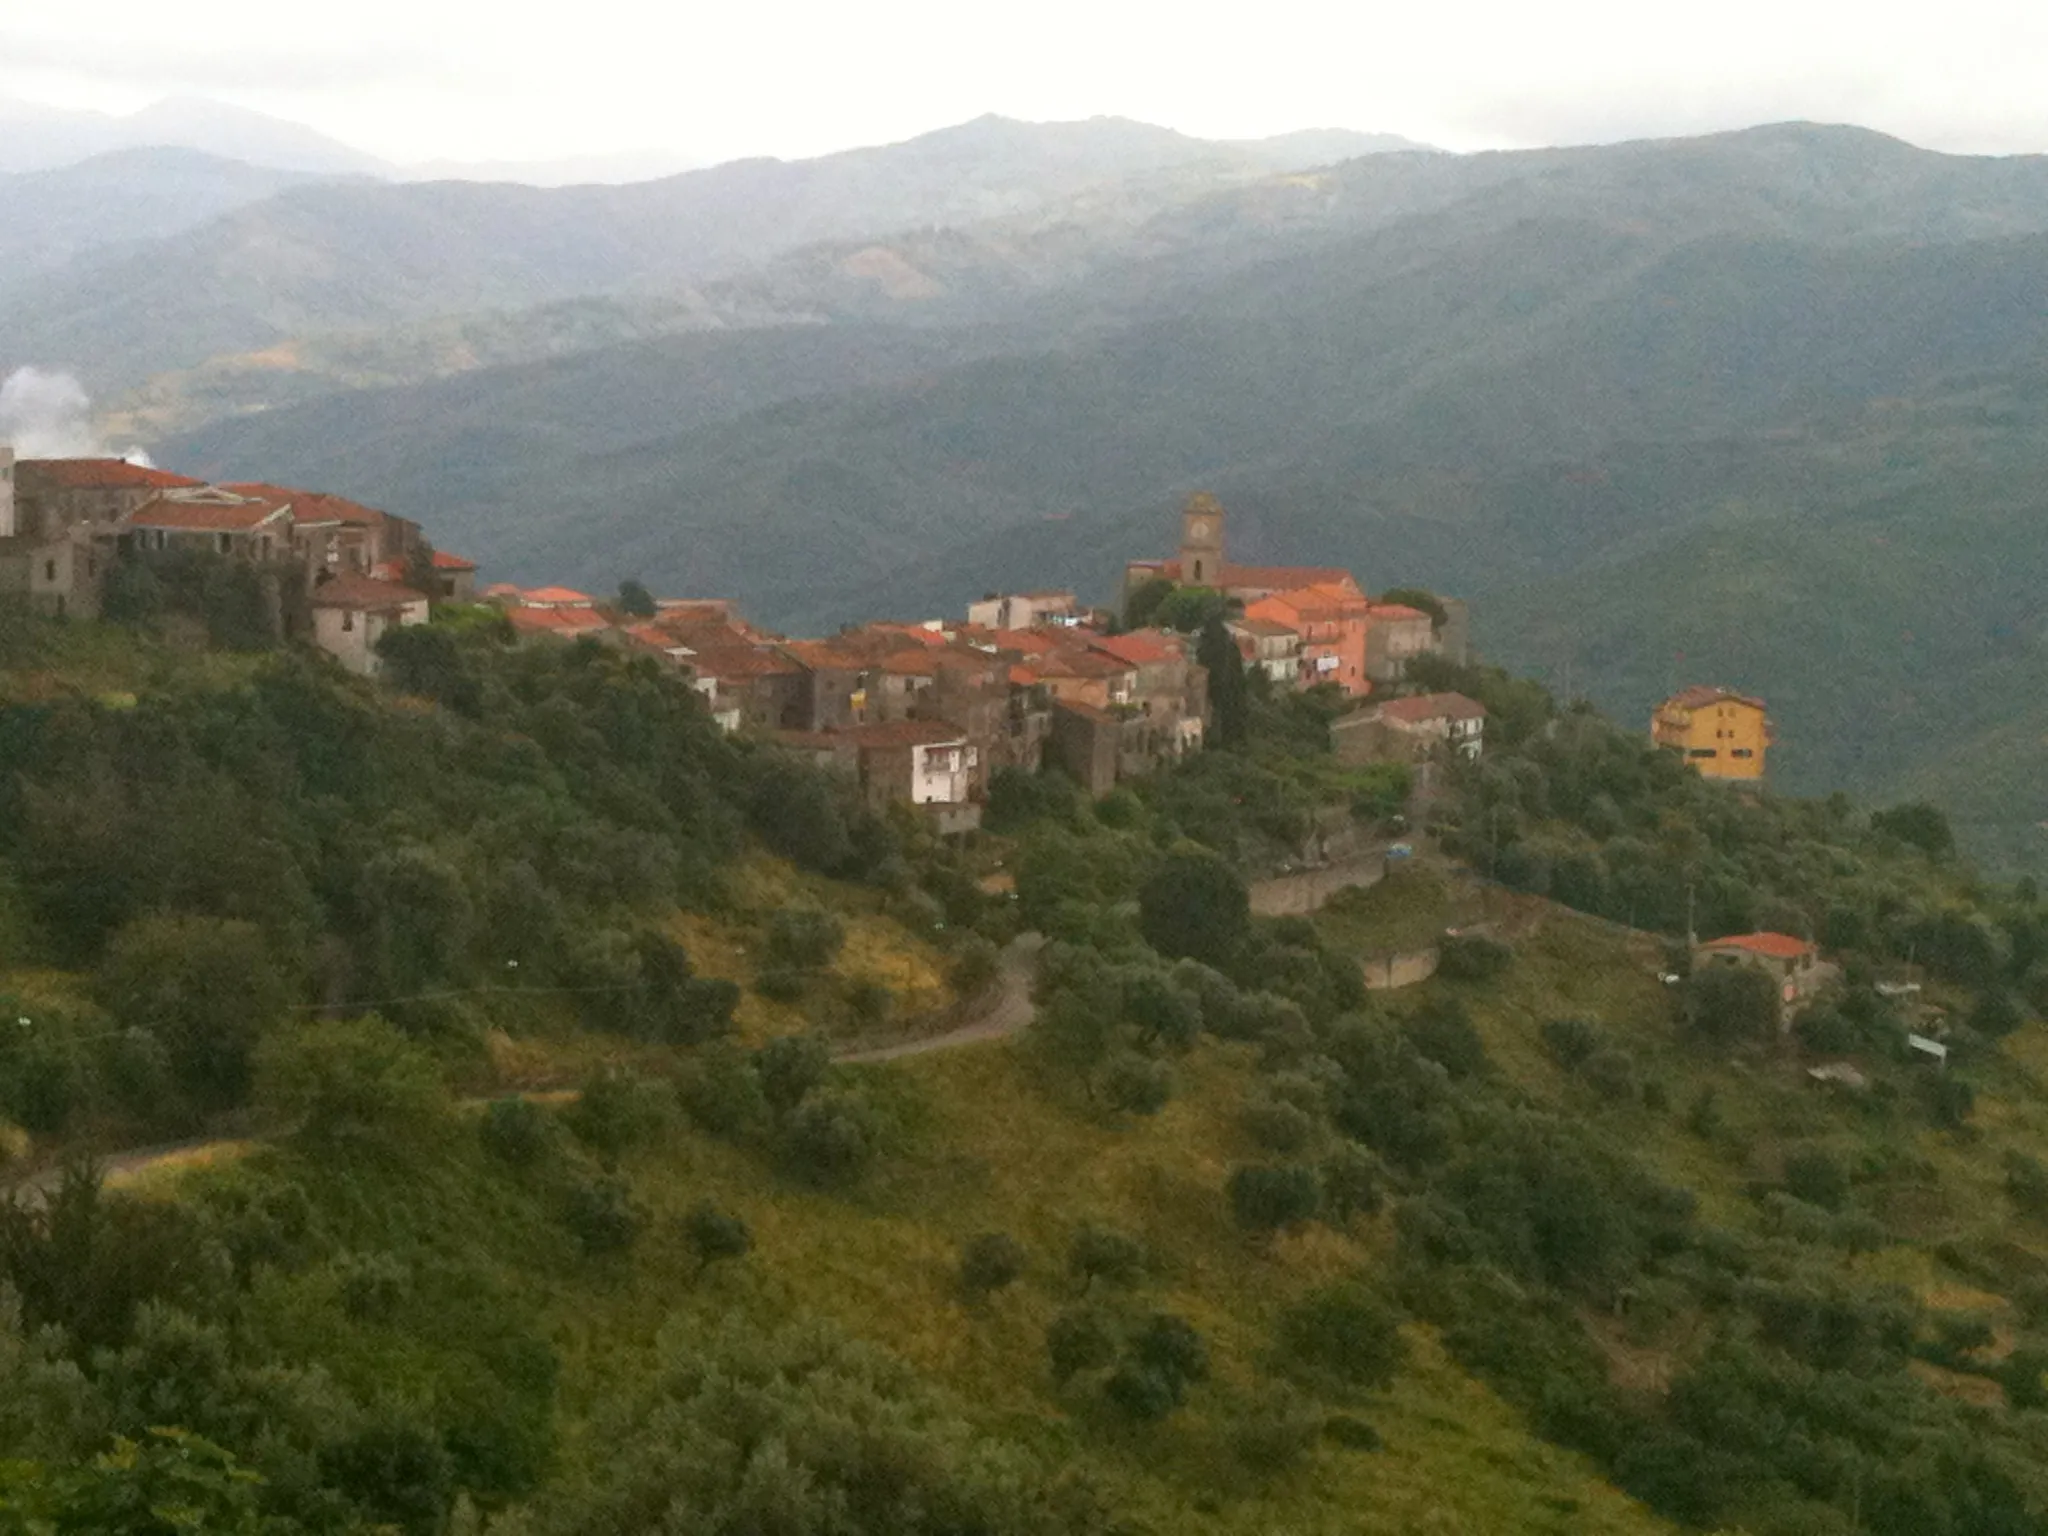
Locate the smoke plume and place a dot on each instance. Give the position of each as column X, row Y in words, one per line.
column 48, row 415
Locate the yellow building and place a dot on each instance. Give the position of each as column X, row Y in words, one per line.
column 1721, row 733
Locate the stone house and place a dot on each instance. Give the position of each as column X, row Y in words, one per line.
column 1394, row 635
column 1411, row 729
column 1268, row 647
column 61, row 525
column 351, row 614
column 254, row 529
column 1022, row 610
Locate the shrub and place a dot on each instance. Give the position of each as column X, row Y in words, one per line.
column 804, row 938
column 1352, row 1180
column 618, row 1109
column 358, row 1083
column 1472, row 957
column 1080, row 1339
column 1267, row 1197
column 721, row 1092
column 603, row 1215
column 990, row 1262
column 1815, row 1177
column 371, row 1286
column 781, row 983
column 2026, row 1183
column 1729, row 1003
column 714, row 1234
column 1441, row 1031
column 1274, row 1434
column 206, row 989
column 1103, row 1253
column 831, row 1138
column 1169, row 1346
column 1354, row 1434
column 1570, row 1041
column 1139, row 1394
column 397, row 1472
column 1276, row 1127
column 789, row 1067
column 1135, row 1084
column 1996, row 1015
column 1947, row 1099
column 1193, row 904
column 1611, row 1074
column 515, row 1131
column 1345, row 1333
column 871, row 1002
column 975, row 966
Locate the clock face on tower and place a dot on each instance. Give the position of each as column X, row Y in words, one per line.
column 1198, row 532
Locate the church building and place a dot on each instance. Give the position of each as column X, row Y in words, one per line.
column 1203, row 563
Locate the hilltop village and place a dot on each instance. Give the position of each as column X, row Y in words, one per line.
column 921, row 713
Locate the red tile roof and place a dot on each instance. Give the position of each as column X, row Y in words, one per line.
column 557, row 621
column 175, row 513
column 1268, row 627
column 1778, row 946
column 1701, row 696
column 1394, row 613
column 1271, row 578
column 309, row 506
column 1433, row 706
column 1142, row 647
column 823, row 656
column 555, row 597
column 365, row 594
column 443, row 561
column 103, row 475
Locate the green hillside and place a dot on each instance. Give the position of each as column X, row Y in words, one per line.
column 603, row 1241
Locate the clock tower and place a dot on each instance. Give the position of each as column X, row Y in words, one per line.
column 1201, row 541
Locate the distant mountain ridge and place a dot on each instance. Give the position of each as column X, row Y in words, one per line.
column 1636, row 400
column 358, row 255
column 34, row 137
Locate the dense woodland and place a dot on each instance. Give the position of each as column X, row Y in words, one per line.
column 246, row 893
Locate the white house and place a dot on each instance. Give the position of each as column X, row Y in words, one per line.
column 351, row 614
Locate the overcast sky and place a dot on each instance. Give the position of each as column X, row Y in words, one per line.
column 419, row 79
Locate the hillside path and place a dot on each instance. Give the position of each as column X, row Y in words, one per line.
column 1008, row 1011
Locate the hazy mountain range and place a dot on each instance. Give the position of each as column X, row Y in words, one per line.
column 1762, row 408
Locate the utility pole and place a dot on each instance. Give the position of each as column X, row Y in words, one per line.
column 1691, row 936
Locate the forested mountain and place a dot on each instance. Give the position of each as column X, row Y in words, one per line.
column 128, row 197
column 365, row 255
column 1638, row 401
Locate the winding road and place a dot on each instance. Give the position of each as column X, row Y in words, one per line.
column 1006, row 1010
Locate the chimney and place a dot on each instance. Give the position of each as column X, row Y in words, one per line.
column 6, row 491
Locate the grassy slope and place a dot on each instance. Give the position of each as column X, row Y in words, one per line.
column 981, row 1145
column 984, row 1150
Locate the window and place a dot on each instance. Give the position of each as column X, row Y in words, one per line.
column 224, row 541
column 49, row 570
column 1704, row 752
column 348, row 621
column 1742, row 752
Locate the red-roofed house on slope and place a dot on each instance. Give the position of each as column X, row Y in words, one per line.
column 1794, row 966
column 351, row 614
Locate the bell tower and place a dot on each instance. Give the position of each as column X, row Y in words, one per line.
column 1201, row 541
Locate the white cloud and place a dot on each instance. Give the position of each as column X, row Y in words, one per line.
column 458, row 78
